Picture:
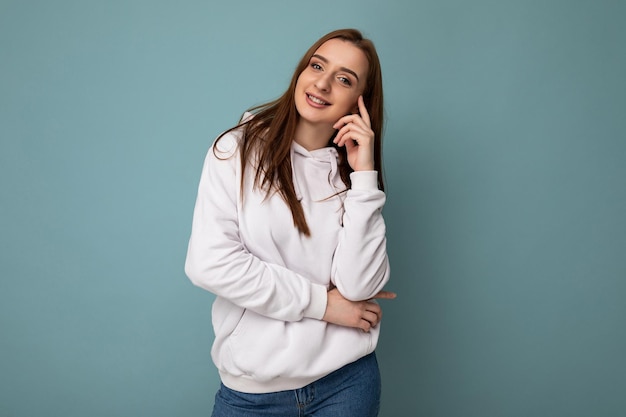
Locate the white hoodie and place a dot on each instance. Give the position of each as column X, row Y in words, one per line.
column 271, row 281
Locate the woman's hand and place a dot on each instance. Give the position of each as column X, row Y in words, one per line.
column 356, row 134
column 359, row 314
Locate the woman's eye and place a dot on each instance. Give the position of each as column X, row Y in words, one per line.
column 316, row 66
column 345, row 81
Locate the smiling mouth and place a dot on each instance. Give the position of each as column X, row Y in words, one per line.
column 317, row 100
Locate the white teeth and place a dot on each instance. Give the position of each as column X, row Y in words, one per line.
column 316, row 100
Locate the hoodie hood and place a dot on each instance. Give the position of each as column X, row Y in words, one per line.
column 306, row 166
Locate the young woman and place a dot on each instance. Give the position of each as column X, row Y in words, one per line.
column 288, row 234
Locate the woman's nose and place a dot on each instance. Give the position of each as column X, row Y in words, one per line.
column 323, row 82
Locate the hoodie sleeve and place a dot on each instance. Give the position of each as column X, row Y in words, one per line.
column 218, row 261
column 360, row 265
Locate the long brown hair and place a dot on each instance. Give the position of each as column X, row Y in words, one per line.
column 268, row 135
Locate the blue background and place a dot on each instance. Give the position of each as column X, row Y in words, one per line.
column 505, row 156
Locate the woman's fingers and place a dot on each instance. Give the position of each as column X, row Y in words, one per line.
column 386, row 295
column 363, row 111
column 360, row 314
column 358, row 139
column 372, row 318
column 373, row 312
column 355, row 132
column 354, row 126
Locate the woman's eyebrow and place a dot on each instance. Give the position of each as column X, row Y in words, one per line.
column 321, row 58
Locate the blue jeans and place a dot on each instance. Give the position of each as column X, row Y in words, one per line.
column 352, row 391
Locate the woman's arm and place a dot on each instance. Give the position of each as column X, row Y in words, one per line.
column 360, row 265
column 218, row 261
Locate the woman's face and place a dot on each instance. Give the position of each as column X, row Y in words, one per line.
column 330, row 85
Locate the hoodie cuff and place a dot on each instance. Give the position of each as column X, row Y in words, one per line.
column 364, row 180
column 317, row 306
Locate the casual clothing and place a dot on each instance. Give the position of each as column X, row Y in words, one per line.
column 352, row 391
column 271, row 281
